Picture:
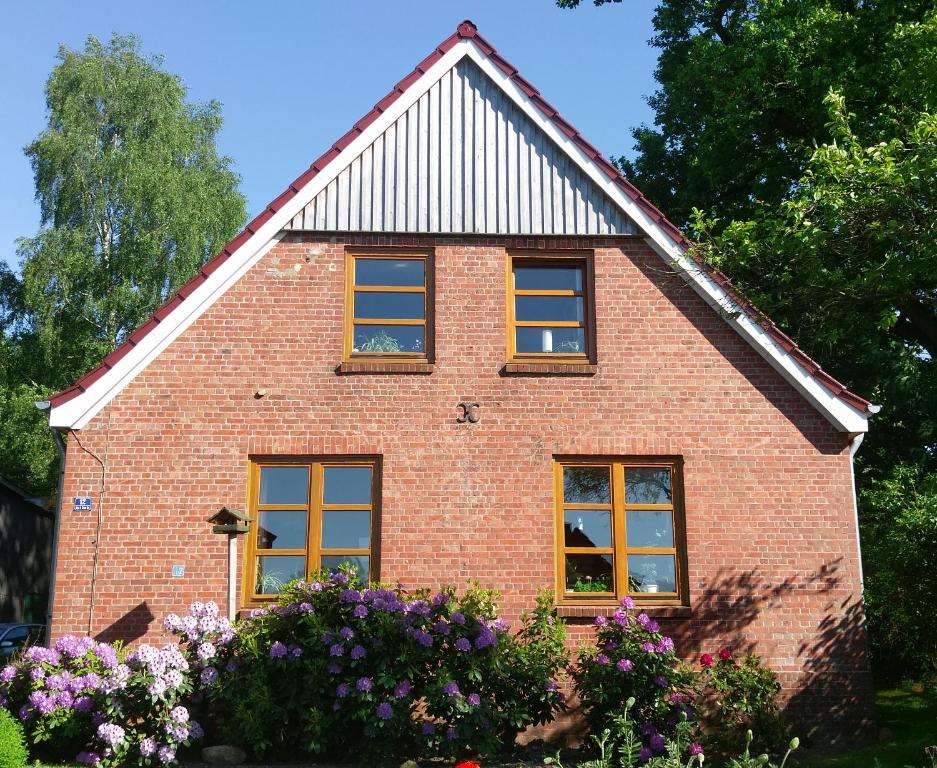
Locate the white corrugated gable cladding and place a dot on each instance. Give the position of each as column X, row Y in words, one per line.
column 463, row 159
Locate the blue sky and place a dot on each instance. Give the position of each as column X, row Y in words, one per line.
column 294, row 76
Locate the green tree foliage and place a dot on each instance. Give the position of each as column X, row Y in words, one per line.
column 848, row 264
column 899, row 528
column 134, row 198
column 803, row 134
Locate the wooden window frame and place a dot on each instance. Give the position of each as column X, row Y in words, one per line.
column 314, row 508
column 581, row 259
column 619, row 508
column 429, row 301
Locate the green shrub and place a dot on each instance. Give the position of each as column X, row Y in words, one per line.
column 353, row 671
column 632, row 660
column 12, row 746
column 742, row 697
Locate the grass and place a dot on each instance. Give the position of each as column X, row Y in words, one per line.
column 907, row 721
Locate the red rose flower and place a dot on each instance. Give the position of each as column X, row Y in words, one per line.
column 467, row 764
column 706, row 660
column 725, row 654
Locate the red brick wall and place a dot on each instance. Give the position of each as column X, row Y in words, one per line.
column 772, row 551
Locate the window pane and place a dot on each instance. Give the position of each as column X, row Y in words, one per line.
column 284, row 485
column 551, row 308
column 389, row 272
column 360, row 563
column 389, row 339
column 650, row 529
column 586, row 485
column 566, row 341
column 281, row 530
column 548, row 278
column 652, row 573
column 275, row 571
column 588, row 527
column 346, row 530
column 379, row 305
column 647, row 485
column 589, row 573
column 347, row 485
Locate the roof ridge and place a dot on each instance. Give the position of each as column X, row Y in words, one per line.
column 466, row 30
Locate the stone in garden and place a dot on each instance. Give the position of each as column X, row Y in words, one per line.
column 223, row 754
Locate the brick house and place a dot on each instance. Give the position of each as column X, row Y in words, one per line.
column 462, row 345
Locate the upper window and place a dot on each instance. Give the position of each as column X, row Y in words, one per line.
column 388, row 312
column 620, row 531
column 549, row 310
column 309, row 515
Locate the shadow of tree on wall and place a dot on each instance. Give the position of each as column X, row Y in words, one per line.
column 837, row 682
column 831, row 697
column 131, row 626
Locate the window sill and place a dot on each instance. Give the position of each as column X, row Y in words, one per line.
column 549, row 369
column 591, row 611
column 383, row 366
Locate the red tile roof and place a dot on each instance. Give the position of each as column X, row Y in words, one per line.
column 465, row 30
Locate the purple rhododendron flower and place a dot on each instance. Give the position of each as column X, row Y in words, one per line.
column 600, row 621
column 627, row 602
column 462, row 644
column 648, row 647
column 645, row 754
column 342, row 690
column 485, row 638
column 147, row 747
column 474, row 699
column 349, row 596
column 452, row 733
column 295, row 650
column 384, row 711
column 440, row 598
column 196, row 732
column 402, row 689
column 665, row 645
column 657, row 743
column 457, row 618
column 208, row 676
column 423, row 638
column 661, row 681
column 255, row 612
column 111, row 734
column 643, row 619
column 305, row 607
column 501, row 625
column 205, row 651
column 361, row 611
column 179, row 714
column 336, row 650
column 364, row 684
column 696, row 749
column 88, row 758
column 166, row 754
column 621, row 618
column 82, row 704
column 441, row 628
column 602, row 659
column 359, row 652
column 625, row 665
column 8, row 673
column 346, row 633
column 277, row 650
column 37, row 673
column 451, row 689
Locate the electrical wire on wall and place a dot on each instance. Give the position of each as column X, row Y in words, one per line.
column 100, row 520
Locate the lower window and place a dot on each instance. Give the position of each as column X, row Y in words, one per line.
column 620, row 531
column 309, row 515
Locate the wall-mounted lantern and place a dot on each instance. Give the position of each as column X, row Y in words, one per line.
column 232, row 522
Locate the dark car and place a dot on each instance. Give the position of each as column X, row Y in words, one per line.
column 13, row 637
